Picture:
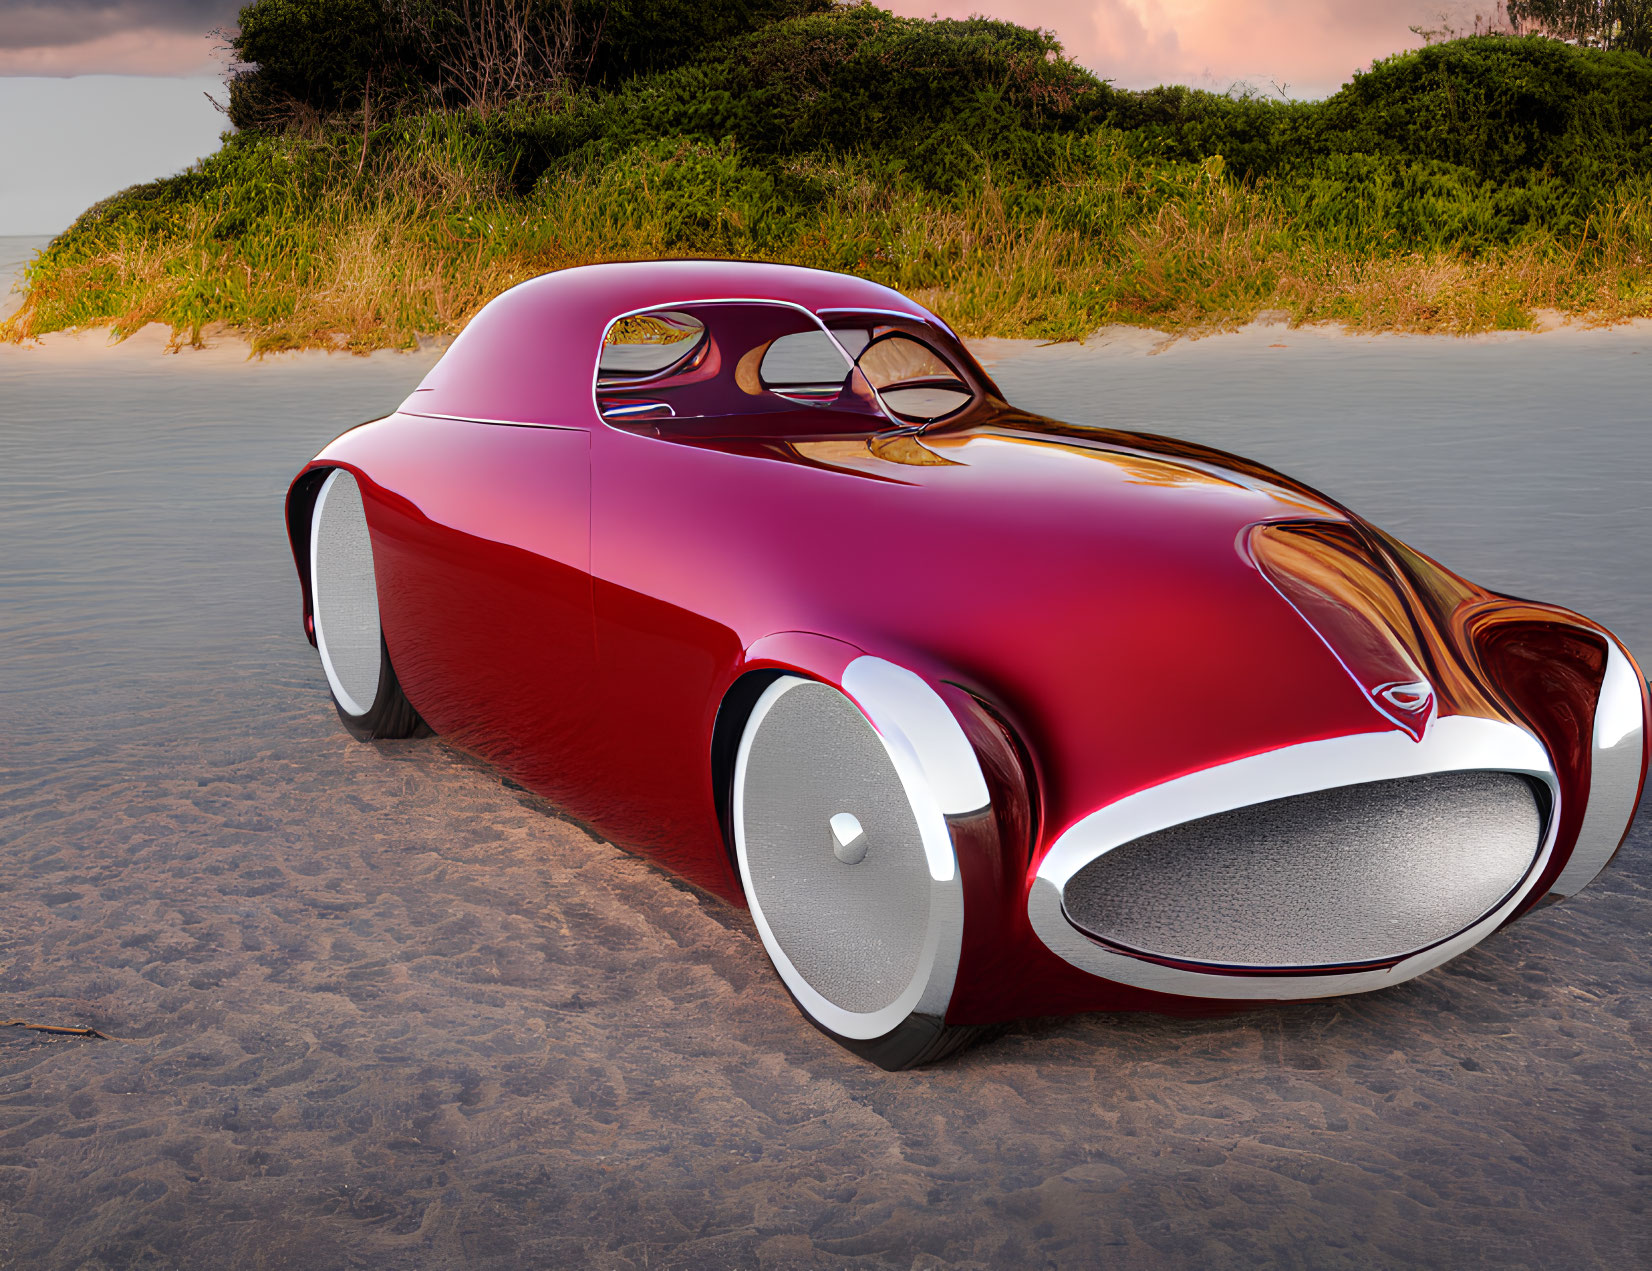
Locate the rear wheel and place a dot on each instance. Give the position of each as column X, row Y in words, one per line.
column 344, row 603
column 848, row 866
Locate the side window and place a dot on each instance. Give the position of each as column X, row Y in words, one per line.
column 805, row 366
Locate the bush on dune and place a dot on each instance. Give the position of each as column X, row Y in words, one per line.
column 1453, row 188
column 1508, row 134
column 308, row 58
column 1501, row 107
column 620, row 39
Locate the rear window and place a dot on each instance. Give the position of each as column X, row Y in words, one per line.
column 648, row 344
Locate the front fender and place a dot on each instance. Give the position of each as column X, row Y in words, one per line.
column 968, row 755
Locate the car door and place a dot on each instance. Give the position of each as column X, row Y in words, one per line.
column 482, row 537
column 691, row 497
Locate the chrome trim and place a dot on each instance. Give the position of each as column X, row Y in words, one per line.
column 665, row 372
column 910, row 713
column 475, row 419
column 637, row 408
column 905, row 712
column 1453, row 744
column 923, row 319
column 1614, row 772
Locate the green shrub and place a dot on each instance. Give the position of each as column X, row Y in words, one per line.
column 315, row 53
column 941, row 99
column 1501, row 107
column 698, row 198
column 622, row 38
column 317, row 57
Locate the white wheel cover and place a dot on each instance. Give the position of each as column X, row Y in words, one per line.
column 344, row 598
column 860, row 945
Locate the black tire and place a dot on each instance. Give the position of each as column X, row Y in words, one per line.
column 390, row 718
column 918, row 1040
column 862, row 934
column 345, row 610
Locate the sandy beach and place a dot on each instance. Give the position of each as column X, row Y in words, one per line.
column 375, row 1007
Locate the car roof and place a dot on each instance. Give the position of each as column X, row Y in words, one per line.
column 529, row 354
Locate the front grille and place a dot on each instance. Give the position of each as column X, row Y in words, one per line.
column 1356, row 874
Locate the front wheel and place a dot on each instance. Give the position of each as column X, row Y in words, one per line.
column 848, row 866
column 344, row 605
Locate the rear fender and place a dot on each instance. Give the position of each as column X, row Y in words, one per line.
column 301, row 497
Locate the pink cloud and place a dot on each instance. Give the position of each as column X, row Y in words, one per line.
column 1313, row 46
column 141, row 51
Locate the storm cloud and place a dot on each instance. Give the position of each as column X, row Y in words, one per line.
column 28, row 25
column 130, row 37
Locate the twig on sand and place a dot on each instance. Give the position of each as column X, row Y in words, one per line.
column 60, row 1029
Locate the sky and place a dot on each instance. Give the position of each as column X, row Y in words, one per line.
column 110, row 37
column 1306, row 48
column 137, row 109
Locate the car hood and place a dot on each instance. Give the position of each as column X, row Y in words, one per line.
column 1095, row 589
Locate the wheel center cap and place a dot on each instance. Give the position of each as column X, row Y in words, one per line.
column 848, row 838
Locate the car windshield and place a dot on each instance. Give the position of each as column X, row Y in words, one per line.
column 913, row 366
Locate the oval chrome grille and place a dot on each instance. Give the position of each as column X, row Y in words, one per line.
column 1355, row 874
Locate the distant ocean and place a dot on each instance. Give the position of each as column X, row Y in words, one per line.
column 16, row 250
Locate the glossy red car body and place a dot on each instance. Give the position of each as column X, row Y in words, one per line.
column 577, row 601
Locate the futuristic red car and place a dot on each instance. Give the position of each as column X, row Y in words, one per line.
column 752, row 569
